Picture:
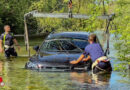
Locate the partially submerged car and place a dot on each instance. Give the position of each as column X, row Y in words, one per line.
column 57, row 50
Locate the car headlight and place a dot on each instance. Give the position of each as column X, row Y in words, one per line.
column 40, row 66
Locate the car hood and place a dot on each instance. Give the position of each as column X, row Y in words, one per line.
column 60, row 61
column 55, row 58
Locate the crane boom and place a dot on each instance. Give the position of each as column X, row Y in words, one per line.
column 66, row 15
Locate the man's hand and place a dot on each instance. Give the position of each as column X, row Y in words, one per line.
column 1, row 50
column 79, row 59
column 86, row 59
column 18, row 48
column 16, row 43
column 74, row 62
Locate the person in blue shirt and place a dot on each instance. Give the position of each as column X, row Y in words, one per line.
column 94, row 52
column 7, row 42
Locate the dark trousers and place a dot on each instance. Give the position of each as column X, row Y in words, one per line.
column 10, row 51
column 98, row 69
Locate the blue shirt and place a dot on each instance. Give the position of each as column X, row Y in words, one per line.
column 94, row 50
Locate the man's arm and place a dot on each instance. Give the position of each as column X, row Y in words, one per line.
column 86, row 59
column 82, row 56
column 16, row 43
column 78, row 60
column 1, row 47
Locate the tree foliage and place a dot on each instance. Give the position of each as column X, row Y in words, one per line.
column 122, row 20
column 12, row 12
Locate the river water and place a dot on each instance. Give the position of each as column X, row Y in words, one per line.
column 16, row 77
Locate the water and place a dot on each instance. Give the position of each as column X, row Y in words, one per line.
column 16, row 77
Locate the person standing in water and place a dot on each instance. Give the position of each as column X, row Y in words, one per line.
column 95, row 53
column 7, row 42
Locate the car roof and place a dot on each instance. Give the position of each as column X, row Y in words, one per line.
column 69, row 35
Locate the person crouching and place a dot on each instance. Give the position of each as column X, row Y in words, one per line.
column 94, row 52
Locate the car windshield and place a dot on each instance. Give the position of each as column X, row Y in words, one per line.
column 80, row 43
column 65, row 45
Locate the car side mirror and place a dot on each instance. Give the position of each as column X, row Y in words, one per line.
column 36, row 48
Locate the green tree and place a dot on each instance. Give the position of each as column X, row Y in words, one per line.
column 122, row 20
column 12, row 13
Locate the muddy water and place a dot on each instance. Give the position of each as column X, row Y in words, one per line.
column 16, row 77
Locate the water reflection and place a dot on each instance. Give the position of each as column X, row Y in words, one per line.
column 1, row 67
column 81, row 77
column 91, row 81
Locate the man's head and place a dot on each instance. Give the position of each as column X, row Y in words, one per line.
column 92, row 38
column 7, row 28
